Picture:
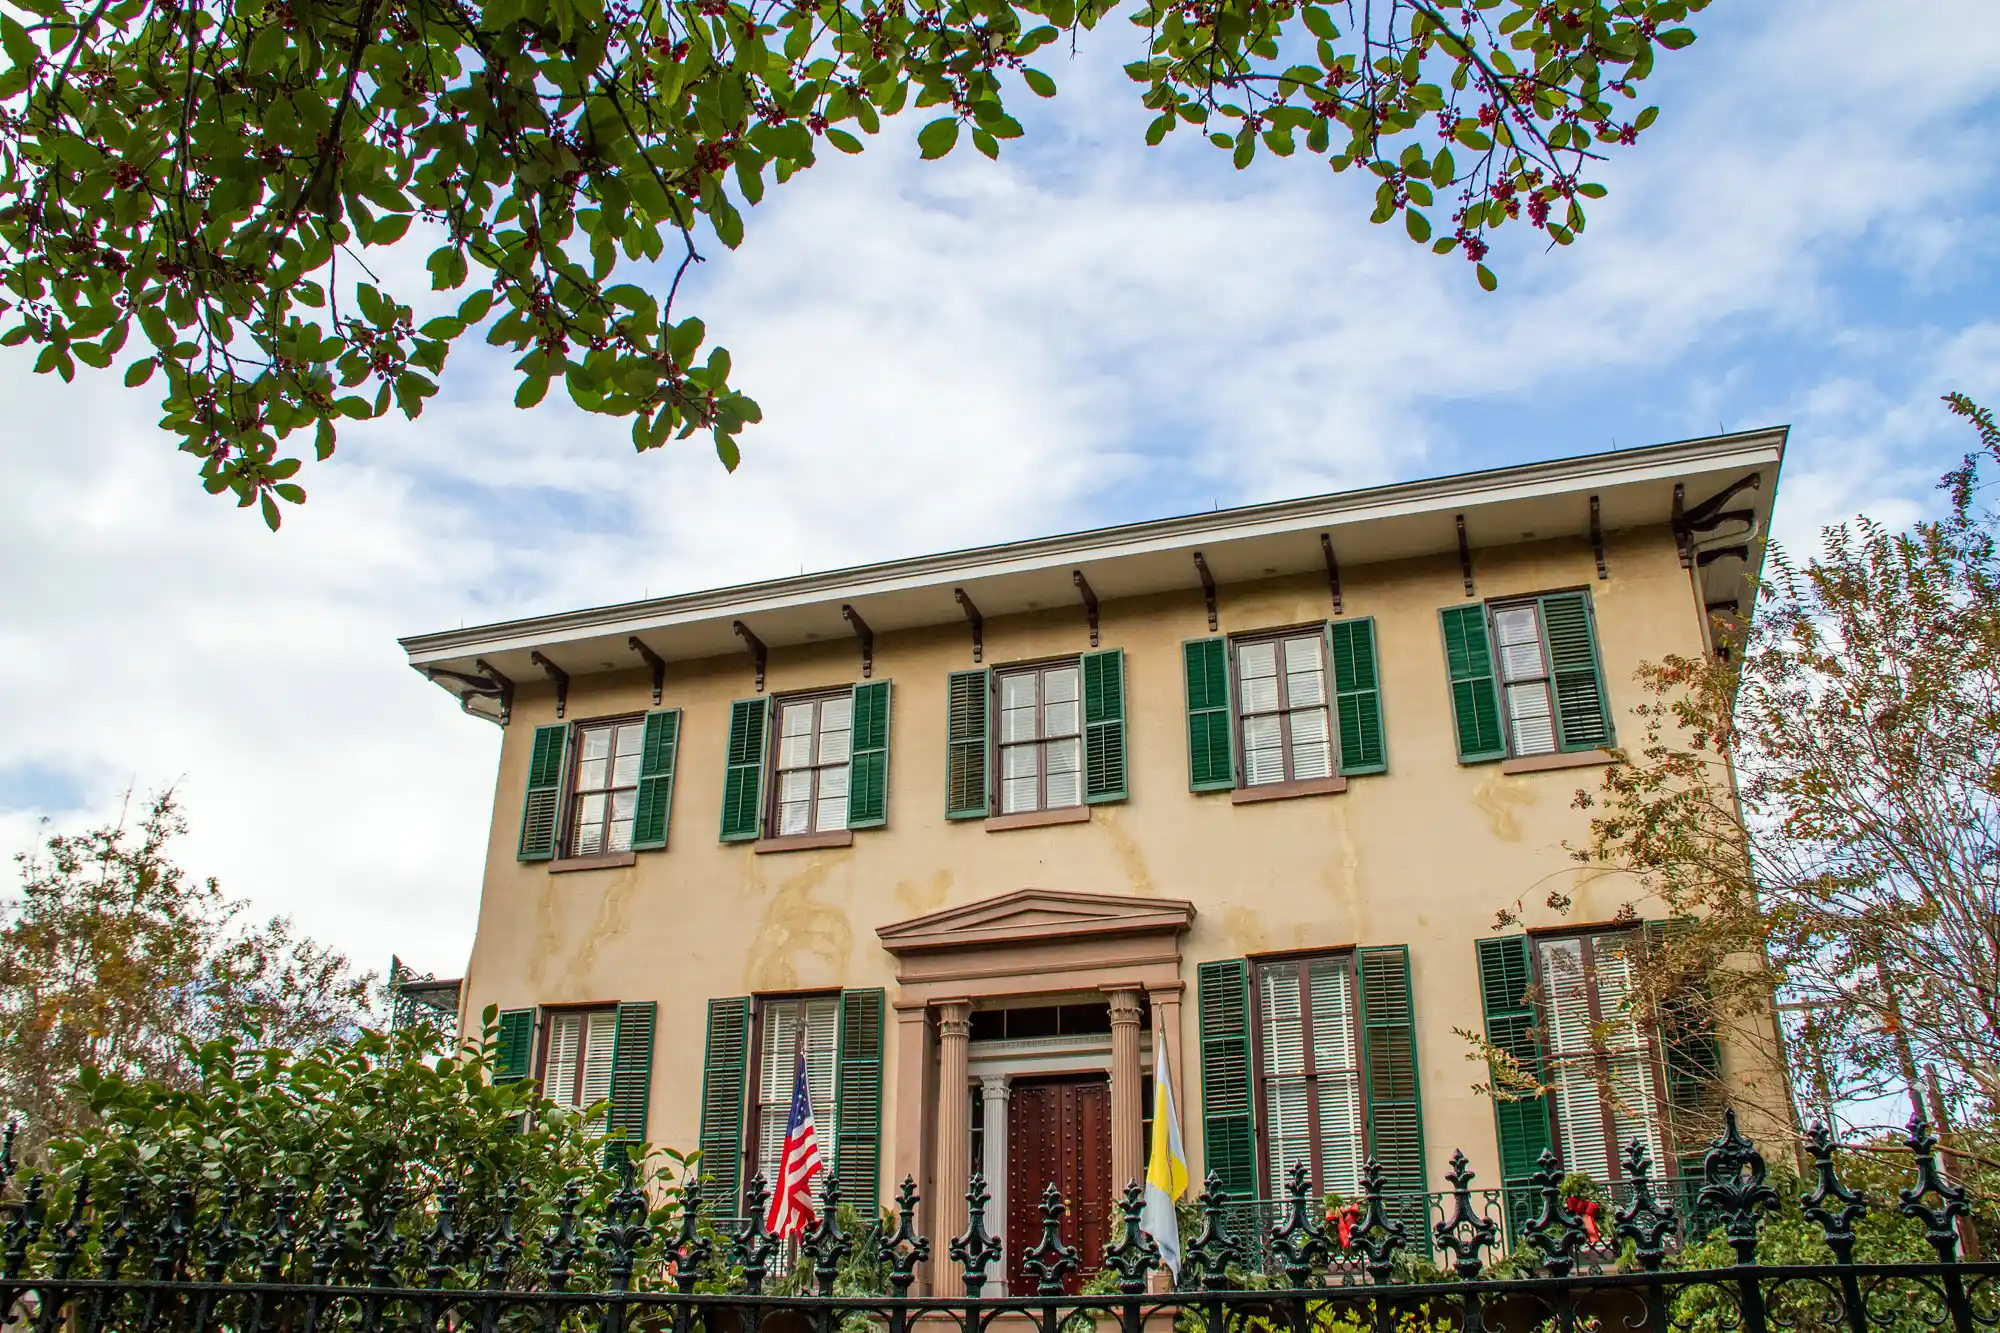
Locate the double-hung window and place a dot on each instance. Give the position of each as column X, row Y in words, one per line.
column 576, row 1068
column 1293, row 710
column 1309, row 1087
column 1603, row 1070
column 815, row 737
column 783, row 1026
column 607, row 786
column 1525, row 677
column 1041, row 738
column 1281, row 694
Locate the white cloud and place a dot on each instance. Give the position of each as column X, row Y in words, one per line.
column 960, row 352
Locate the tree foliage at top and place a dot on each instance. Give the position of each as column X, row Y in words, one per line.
column 1859, row 727
column 204, row 168
column 116, row 960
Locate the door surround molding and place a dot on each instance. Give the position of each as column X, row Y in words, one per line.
column 1030, row 942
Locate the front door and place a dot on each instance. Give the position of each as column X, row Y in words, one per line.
column 1058, row 1129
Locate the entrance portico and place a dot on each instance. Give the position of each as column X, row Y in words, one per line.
column 1047, row 948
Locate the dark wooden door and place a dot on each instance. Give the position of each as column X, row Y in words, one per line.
column 1058, row 1130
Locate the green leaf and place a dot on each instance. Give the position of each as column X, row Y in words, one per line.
column 842, row 140
column 390, row 229
column 1591, row 190
column 1676, row 38
column 533, row 389
column 19, row 46
column 985, row 143
column 1417, row 225
column 1042, row 84
column 936, row 139
column 139, row 372
column 1486, row 278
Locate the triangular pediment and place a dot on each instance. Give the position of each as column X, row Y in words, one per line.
column 1037, row 914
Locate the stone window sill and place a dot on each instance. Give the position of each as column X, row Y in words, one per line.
column 1543, row 763
column 1069, row 814
column 1285, row 791
column 804, row 842
column 611, row 861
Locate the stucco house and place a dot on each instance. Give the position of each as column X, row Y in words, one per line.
column 990, row 831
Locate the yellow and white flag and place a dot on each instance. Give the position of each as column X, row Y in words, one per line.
column 1166, row 1167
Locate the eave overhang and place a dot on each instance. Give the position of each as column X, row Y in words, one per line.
column 1502, row 506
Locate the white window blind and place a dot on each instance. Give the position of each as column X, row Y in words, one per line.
column 1040, row 740
column 607, row 787
column 1605, row 1091
column 1311, row 1084
column 779, row 1023
column 814, row 744
column 1524, row 673
column 1282, row 698
column 579, row 1060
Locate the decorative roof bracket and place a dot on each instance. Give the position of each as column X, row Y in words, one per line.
column 1464, row 556
column 758, row 652
column 1597, row 538
column 1089, row 602
column 977, row 621
column 1332, row 570
column 556, row 674
column 485, row 668
column 478, row 687
column 1207, row 588
column 865, row 635
column 656, row 662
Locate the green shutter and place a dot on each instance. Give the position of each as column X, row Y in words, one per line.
column 857, row 1131
column 514, row 1047
column 632, row 1070
column 1228, row 1132
column 656, row 780
column 743, row 787
column 868, row 771
column 1211, row 731
column 1357, row 691
column 1584, row 721
column 1395, row 1098
column 1104, row 726
column 1475, row 695
column 724, row 1079
column 968, row 697
column 1506, row 973
column 541, row 810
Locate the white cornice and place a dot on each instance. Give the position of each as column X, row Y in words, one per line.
column 1414, row 500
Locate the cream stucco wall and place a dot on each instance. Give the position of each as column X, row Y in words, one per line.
column 1424, row 855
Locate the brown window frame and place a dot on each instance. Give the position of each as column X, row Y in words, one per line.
column 774, row 754
column 753, row 1119
column 1649, row 1046
column 1285, row 708
column 997, row 762
column 550, row 1013
column 573, row 794
column 1547, row 680
column 1259, row 1080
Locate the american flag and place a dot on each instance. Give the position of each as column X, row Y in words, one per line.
column 799, row 1166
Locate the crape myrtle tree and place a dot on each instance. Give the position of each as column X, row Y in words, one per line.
column 115, row 960
column 1819, row 813
column 209, row 173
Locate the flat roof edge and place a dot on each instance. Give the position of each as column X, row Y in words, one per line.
column 849, row 582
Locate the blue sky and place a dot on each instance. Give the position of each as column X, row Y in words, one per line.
column 1086, row 332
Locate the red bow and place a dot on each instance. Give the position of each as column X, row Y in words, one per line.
column 1589, row 1210
column 1344, row 1220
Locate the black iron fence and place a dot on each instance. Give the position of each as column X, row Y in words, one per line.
column 92, row 1250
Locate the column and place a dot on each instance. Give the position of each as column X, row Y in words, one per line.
column 954, row 1144
column 907, row 1129
column 1128, row 1160
column 993, row 1161
column 1167, row 1034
